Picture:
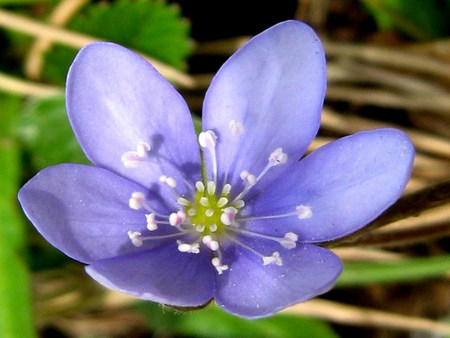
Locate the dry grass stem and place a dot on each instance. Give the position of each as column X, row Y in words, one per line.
column 16, row 86
column 367, row 254
column 61, row 14
column 359, row 316
column 347, row 124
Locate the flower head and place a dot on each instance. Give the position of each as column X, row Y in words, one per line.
column 154, row 219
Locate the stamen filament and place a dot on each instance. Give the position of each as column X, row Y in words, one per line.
column 274, row 258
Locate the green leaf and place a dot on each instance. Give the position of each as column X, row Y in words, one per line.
column 18, row 2
column 151, row 27
column 363, row 273
column 15, row 299
column 46, row 132
column 213, row 322
column 417, row 18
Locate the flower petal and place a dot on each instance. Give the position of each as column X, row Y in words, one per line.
column 164, row 275
column 83, row 211
column 115, row 100
column 251, row 289
column 344, row 184
column 274, row 88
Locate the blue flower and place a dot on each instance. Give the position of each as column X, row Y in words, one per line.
column 234, row 220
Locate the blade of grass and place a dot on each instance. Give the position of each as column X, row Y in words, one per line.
column 406, row 270
column 15, row 300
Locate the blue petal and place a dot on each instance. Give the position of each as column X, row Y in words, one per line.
column 83, row 211
column 346, row 183
column 250, row 289
column 164, row 275
column 115, row 100
column 274, row 86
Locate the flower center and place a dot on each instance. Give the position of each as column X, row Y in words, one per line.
column 209, row 213
column 210, row 218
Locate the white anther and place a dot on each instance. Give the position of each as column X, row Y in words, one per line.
column 247, row 177
column 228, row 215
column 137, row 200
column 151, row 222
column 210, row 243
column 204, row 201
column 277, row 157
column 207, row 139
column 142, row 149
column 170, row 181
column 192, row 212
column 209, row 212
column 289, row 241
column 304, row 211
column 218, row 265
column 200, row 186
column 130, row 159
column 177, row 218
column 222, row 202
column 226, row 189
column 211, row 187
column 213, row 227
column 236, row 128
column 239, row 204
column 274, row 259
column 183, row 201
column 134, row 237
column 189, row 248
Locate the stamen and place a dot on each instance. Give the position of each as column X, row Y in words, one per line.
column 135, row 238
column 304, row 211
column 239, row 204
column 226, row 189
column 183, row 201
column 151, row 222
column 228, row 216
column 137, row 200
column 170, row 181
column 277, row 157
column 274, row 259
column 248, row 178
column 142, row 149
column 207, row 139
column 236, row 128
column 131, row 159
column 289, row 241
column 216, row 262
column 301, row 211
column 189, row 248
column 210, row 243
column 176, row 219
